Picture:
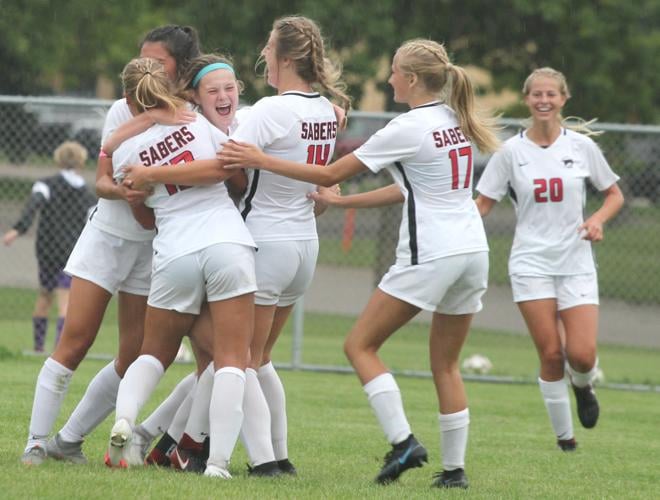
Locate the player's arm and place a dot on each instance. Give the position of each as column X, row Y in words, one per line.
column 144, row 215
column 194, row 173
column 381, row 197
column 143, row 121
column 242, row 155
column 107, row 188
column 484, row 204
column 592, row 228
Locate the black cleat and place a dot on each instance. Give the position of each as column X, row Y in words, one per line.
column 403, row 456
column 450, row 479
column 268, row 469
column 567, row 444
column 587, row 406
column 287, row 467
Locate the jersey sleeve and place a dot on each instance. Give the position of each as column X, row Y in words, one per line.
column 34, row 204
column 398, row 140
column 600, row 172
column 117, row 114
column 263, row 124
column 494, row 181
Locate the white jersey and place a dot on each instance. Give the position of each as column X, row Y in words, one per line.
column 115, row 216
column 431, row 162
column 295, row 126
column 188, row 218
column 547, row 187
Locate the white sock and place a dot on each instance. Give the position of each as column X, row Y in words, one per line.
column 557, row 402
column 225, row 414
column 255, row 432
column 579, row 379
column 139, row 382
column 198, row 425
column 273, row 391
column 97, row 403
column 385, row 399
column 161, row 418
column 175, row 430
column 52, row 385
column 454, row 436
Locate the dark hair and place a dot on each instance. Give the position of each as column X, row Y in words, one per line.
column 182, row 42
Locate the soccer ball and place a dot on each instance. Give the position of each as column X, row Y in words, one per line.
column 183, row 355
column 478, row 364
column 599, row 377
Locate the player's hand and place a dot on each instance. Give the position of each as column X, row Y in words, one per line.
column 591, row 229
column 328, row 196
column 9, row 237
column 181, row 116
column 235, row 155
column 135, row 178
column 134, row 197
column 340, row 114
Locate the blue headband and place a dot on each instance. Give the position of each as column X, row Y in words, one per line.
column 207, row 69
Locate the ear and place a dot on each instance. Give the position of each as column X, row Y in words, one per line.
column 412, row 79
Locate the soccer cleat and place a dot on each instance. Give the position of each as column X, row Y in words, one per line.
column 186, row 461
column 587, row 406
column 450, row 479
column 567, row 444
column 34, row 456
column 120, row 439
column 403, row 456
column 138, row 447
column 267, row 469
column 160, row 455
column 215, row 471
column 59, row 449
column 287, row 467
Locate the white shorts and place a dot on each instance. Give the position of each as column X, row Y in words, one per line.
column 570, row 291
column 450, row 285
column 111, row 262
column 219, row 272
column 284, row 271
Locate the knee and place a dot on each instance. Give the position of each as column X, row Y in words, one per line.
column 583, row 360
column 552, row 359
column 70, row 351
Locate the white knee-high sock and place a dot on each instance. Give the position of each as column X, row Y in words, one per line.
column 453, row 438
column 385, row 400
column 255, row 432
column 273, row 391
column 557, row 402
column 225, row 414
column 579, row 379
column 52, row 385
column 97, row 403
column 198, row 426
column 175, row 430
column 161, row 418
column 138, row 383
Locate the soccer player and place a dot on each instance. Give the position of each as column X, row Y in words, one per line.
column 62, row 201
column 202, row 252
column 113, row 254
column 429, row 152
column 301, row 125
column 551, row 266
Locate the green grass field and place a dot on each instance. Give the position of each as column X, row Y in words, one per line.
column 334, row 438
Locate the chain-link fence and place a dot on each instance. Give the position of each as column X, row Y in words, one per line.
column 356, row 247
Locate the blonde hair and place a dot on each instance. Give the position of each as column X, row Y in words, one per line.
column 200, row 62
column 70, row 155
column 299, row 39
column 428, row 60
column 574, row 123
column 147, row 85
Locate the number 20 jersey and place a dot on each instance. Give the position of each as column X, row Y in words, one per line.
column 295, row 126
column 547, row 188
column 188, row 218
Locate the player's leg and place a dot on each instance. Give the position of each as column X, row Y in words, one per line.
column 40, row 318
column 541, row 319
column 578, row 309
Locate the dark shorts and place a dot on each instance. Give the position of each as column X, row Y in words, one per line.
column 51, row 278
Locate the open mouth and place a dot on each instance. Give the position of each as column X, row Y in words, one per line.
column 224, row 110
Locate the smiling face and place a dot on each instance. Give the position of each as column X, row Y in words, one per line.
column 217, row 96
column 269, row 53
column 545, row 99
column 156, row 50
column 400, row 83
